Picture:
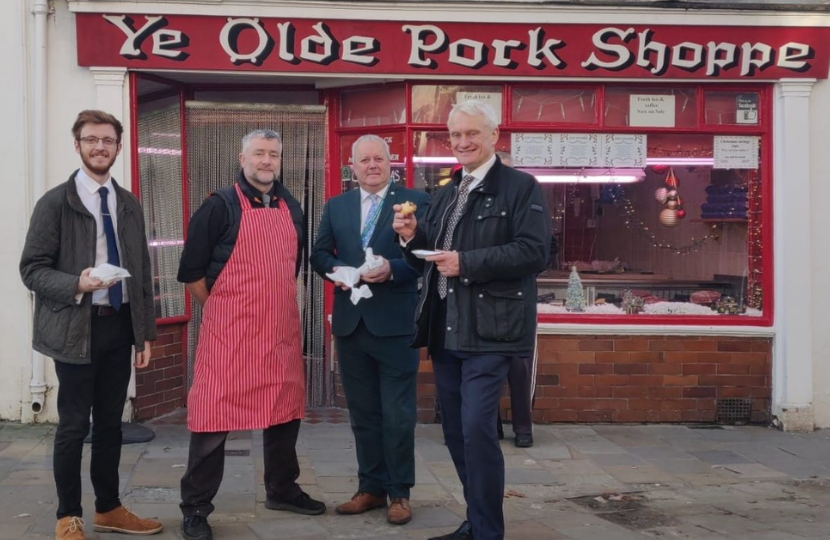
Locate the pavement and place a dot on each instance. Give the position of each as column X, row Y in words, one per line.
column 579, row 482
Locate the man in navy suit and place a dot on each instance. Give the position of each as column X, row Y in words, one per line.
column 378, row 369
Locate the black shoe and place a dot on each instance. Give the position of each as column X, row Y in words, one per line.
column 464, row 532
column 523, row 440
column 500, row 429
column 196, row 528
column 301, row 504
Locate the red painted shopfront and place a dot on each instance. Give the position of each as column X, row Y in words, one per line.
column 653, row 145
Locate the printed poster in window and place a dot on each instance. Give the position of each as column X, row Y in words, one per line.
column 733, row 152
column 651, row 111
column 492, row 99
column 624, row 150
column 578, row 150
column 533, row 149
column 746, row 106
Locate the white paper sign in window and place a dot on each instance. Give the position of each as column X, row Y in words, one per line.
column 620, row 150
column 534, row 149
column 733, row 152
column 579, row 150
column 491, row 98
column 651, row 111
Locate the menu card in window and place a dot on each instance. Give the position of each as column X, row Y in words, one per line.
column 651, row 111
column 579, row 150
column 533, row 149
column 736, row 152
column 492, row 99
column 624, row 150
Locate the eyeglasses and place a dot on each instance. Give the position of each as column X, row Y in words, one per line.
column 93, row 141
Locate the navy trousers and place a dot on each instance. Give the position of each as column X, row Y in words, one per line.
column 379, row 376
column 469, row 386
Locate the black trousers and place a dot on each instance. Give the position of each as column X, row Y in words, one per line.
column 206, row 466
column 100, row 387
column 469, row 386
column 522, row 380
column 379, row 376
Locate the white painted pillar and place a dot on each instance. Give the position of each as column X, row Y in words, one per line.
column 112, row 92
column 793, row 349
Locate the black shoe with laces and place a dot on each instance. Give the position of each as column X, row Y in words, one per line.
column 523, row 440
column 196, row 528
column 301, row 504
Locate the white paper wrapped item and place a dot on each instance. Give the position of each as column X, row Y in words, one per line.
column 350, row 276
column 108, row 273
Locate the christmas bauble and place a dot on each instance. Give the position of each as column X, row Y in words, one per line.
column 672, row 194
column 671, row 204
column 668, row 217
column 661, row 195
column 659, row 169
column 680, row 214
column 671, row 179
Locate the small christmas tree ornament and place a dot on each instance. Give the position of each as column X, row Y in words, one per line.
column 671, row 179
column 668, row 217
column 661, row 195
column 575, row 298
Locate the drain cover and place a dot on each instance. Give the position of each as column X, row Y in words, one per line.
column 734, row 410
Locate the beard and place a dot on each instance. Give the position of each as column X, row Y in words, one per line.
column 263, row 177
column 101, row 170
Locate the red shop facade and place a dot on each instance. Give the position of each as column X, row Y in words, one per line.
column 656, row 146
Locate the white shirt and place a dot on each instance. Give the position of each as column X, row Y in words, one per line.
column 88, row 192
column 366, row 204
column 480, row 173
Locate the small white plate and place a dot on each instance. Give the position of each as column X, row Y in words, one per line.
column 424, row 253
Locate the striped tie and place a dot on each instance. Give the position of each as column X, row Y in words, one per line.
column 371, row 220
column 463, row 191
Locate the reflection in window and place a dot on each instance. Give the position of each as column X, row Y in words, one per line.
column 553, row 105
column 431, row 104
column 373, row 106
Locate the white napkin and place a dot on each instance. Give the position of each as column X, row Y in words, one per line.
column 108, row 273
column 350, row 276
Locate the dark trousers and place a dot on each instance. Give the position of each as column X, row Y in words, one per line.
column 379, row 375
column 468, row 388
column 99, row 387
column 522, row 380
column 206, row 466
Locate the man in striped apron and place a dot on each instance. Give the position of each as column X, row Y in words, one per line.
column 240, row 262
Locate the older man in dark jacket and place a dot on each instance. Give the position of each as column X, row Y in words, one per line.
column 90, row 327
column 490, row 229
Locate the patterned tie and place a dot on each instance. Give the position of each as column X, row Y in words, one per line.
column 463, row 191
column 115, row 292
column 371, row 220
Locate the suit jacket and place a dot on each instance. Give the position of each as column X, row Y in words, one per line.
column 391, row 310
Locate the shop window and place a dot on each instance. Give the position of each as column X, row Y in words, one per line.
column 732, row 108
column 373, row 106
column 431, row 104
column 397, row 150
column 675, row 237
column 650, row 107
column 553, row 106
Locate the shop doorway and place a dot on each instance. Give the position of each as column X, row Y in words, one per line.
column 188, row 149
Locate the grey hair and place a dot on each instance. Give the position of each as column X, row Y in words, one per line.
column 372, row 138
column 267, row 134
column 476, row 108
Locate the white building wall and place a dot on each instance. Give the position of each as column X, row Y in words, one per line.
column 820, row 218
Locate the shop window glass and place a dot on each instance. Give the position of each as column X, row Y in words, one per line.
column 431, row 104
column 732, row 108
column 373, row 107
column 397, row 149
column 553, row 105
column 433, row 158
column 650, row 107
column 680, row 238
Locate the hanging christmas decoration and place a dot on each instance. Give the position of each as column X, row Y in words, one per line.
column 661, row 195
column 671, row 204
column 671, row 179
column 668, row 217
column 680, row 213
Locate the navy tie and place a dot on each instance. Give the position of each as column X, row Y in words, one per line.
column 115, row 292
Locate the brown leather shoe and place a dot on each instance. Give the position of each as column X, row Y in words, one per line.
column 361, row 502
column 70, row 528
column 121, row 520
column 399, row 512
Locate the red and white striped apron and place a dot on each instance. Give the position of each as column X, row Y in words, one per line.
column 249, row 371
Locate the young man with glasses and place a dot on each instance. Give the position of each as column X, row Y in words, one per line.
column 87, row 326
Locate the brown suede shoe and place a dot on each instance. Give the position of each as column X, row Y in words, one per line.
column 361, row 502
column 399, row 512
column 121, row 520
column 70, row 528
